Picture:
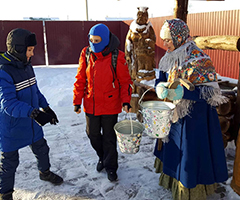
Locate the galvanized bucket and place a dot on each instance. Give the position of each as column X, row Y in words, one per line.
column 129, row 135
column 157, row 117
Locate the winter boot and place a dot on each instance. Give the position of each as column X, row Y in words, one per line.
column 112, row 176
column 7, row 196
column 100, row 166
column 51, row 177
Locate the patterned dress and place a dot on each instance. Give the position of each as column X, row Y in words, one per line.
column 193, row 157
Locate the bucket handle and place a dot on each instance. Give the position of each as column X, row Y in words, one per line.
column 131, row 123
column 139, row 102
column 130, row 119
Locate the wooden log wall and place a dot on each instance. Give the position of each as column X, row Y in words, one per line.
column 226, row 114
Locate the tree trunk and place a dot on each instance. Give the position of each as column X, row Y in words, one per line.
column 180, row 10
column 219, row 42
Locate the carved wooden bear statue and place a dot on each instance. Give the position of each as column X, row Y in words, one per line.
column 140, row 47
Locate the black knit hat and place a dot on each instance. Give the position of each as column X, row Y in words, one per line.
column 17, row 42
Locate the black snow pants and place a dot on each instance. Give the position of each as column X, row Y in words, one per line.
column 103, row 138
column 9, row 162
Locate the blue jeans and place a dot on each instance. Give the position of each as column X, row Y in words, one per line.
column 9, row 162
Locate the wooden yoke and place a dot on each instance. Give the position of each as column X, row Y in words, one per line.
column 186, row 83
column 143, row 85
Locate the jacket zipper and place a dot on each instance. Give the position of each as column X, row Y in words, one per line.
column 129, row 89
column 95, row 58
column 113, row 73
column 93, row 91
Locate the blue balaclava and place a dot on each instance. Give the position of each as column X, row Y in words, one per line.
column 102, row 31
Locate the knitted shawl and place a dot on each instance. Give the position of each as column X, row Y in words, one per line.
column 190, row 62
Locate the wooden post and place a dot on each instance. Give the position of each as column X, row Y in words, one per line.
column 181, row 9
column 235, row 183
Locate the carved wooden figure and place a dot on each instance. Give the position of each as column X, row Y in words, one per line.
column 140, row 47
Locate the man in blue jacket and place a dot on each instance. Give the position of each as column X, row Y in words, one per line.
column 20, row 115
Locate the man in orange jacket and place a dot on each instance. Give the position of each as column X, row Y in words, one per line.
column 104, row 91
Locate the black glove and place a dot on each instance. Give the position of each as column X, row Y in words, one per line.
column 41, row 117
column 49, row 111
column 76, row 108
column 128, row 106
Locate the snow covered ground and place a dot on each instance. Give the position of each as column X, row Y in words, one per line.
column 73, row 158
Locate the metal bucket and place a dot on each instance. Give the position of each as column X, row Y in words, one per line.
column 129, row 135
column 157, row 116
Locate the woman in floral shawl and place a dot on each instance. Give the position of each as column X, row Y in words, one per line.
column 192, row 159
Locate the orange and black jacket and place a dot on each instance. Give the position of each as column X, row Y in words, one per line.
column 102, row 88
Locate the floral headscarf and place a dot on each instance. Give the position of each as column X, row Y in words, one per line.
column 179, row 31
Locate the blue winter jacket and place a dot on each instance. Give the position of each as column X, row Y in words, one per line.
column 19, row 95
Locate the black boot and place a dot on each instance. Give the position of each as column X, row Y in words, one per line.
column 112, row 176
column 7, row 196
column 51, row 177
column 100, row 166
